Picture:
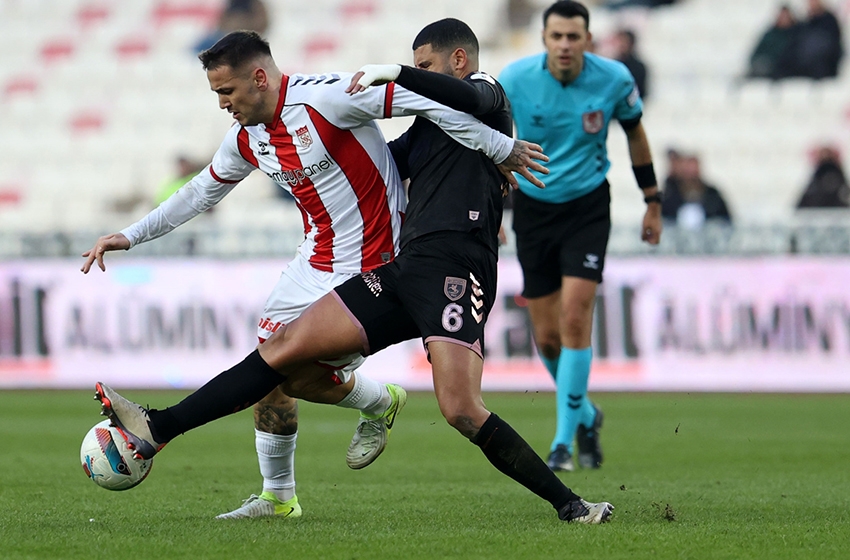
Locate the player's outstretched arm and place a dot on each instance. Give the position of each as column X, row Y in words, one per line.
column 452, row 92
column 522, row 160
column 387, row 102
column 111, row 242
column 201, row 193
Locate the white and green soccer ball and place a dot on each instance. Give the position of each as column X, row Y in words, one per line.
column 107, row 460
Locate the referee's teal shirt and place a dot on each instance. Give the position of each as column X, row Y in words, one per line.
column 570, row 122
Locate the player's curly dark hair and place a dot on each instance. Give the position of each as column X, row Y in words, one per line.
column 568, row 9
column 445, row 34
column 234, row 50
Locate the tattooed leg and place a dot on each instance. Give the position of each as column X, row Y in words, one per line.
column 276, row 413
column 276, row 423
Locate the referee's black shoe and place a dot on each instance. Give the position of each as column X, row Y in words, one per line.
column 589, row 449
column 560, row 459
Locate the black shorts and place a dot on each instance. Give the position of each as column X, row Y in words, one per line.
column 440, row 287
column 556, row 240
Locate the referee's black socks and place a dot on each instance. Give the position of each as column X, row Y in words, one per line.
column 231, row 391
column 514, row 457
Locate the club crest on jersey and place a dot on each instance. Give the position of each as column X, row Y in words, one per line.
column 304, row 136
column 454, row 288
column 263, row 148
column 592, row 121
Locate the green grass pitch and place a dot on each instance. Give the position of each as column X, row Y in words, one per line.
column 691, row 476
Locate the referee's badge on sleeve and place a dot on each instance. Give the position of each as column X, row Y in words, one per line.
column 633, row 97
column 592, row 121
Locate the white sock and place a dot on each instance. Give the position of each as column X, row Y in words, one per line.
column 277, row 463
column 368, row 396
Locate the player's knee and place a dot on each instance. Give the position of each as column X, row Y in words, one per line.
column 462, row 416
column 575, row 326
column 296, row 387
column 310, row 384
column 550, row 347
column 464, row 424
column 280, row 351
column 276, row 397
column 548, row 341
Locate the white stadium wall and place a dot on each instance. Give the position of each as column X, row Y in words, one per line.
column 662, row 324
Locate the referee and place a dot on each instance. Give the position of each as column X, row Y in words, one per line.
column 563, row 99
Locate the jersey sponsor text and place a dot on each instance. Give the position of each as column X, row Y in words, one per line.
column 297, row 176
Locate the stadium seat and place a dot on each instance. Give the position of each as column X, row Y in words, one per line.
column 167, row 12
column 86, row 121
column 357, row 9
column 56, row 50
column 20, row 85
column 132, row 47
column 321, row 45
column 91, row 15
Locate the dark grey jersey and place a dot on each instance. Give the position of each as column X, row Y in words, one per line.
column 452, row 188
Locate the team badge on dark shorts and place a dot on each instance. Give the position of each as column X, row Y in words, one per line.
column 593, row 121
column 454, row 288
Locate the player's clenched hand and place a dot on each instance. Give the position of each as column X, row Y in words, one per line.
column 651, row 232
column 522, row 161
column 373, row 75
column 111, row 242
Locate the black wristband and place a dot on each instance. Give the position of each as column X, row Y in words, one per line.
column 653, row 198
column 645, row 176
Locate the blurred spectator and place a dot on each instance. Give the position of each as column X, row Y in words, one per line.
column 828, row 186
column 618, row 4
column 819, row 48
column 771, row 57
column 625, row 52
column 186, row 170
column 250, row 15
column 519, row 14
column 674, row 167
column 688, row 200
column 808, row 49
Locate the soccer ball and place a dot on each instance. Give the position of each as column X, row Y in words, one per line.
column 108, row 462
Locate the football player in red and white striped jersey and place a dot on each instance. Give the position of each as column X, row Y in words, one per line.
column 324, row 147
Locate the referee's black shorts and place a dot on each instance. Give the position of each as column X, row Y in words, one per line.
column 441, row 287
column 566, row 239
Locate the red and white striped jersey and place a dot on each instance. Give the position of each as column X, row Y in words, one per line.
column 327, row 151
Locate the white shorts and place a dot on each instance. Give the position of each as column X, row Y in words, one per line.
column 298, row 287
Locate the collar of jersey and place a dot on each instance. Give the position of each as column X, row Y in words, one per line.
column 545, row 68
column 283, row 82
